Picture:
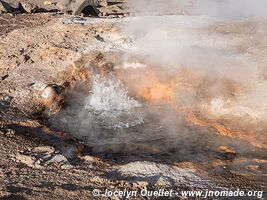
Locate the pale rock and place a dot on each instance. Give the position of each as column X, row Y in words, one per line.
column 28, row 160
column 44, row 149
column 48, row 3
column 90, row 159
column 66, row 166
column 58, row 159
column 38, row 86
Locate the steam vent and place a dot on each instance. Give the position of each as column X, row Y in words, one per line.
column 133, row 99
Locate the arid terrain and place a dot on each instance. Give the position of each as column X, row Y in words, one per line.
column 130, row 102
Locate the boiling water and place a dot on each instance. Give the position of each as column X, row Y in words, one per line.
column 110, row 104
column 107, row 119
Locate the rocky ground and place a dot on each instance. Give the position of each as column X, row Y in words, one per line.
column 43, row 56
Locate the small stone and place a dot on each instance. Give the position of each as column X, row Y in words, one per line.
column 99, row 38
column 25, row 59
column 21, row 51
column 38, row 86
column 44, row 149
column 58, row 159
column 37, row 164
column 66, row 166
column 4, row 77
column 49, row 92
column 48, row 3
column 89, row 158
column 27, row 160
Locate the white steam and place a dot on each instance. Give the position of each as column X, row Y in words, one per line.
column 177, row 41
column 199, row 35
column 231, row 9
column 223, row 61
column 226, row 9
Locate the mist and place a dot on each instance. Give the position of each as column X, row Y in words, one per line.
column 224, row 9
column 173, row 65
column 181, row 35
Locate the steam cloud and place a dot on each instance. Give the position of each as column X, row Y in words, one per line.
column 194, row 42
column 227, row 79
column 226, row 9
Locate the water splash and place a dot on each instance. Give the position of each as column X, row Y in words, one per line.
column 111, row 105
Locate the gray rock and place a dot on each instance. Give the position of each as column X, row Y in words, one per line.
column 4, row 7
column 58, row 159
column 163, row 175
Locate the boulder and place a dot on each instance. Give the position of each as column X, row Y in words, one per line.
column 80, row 5
column 77, row 6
